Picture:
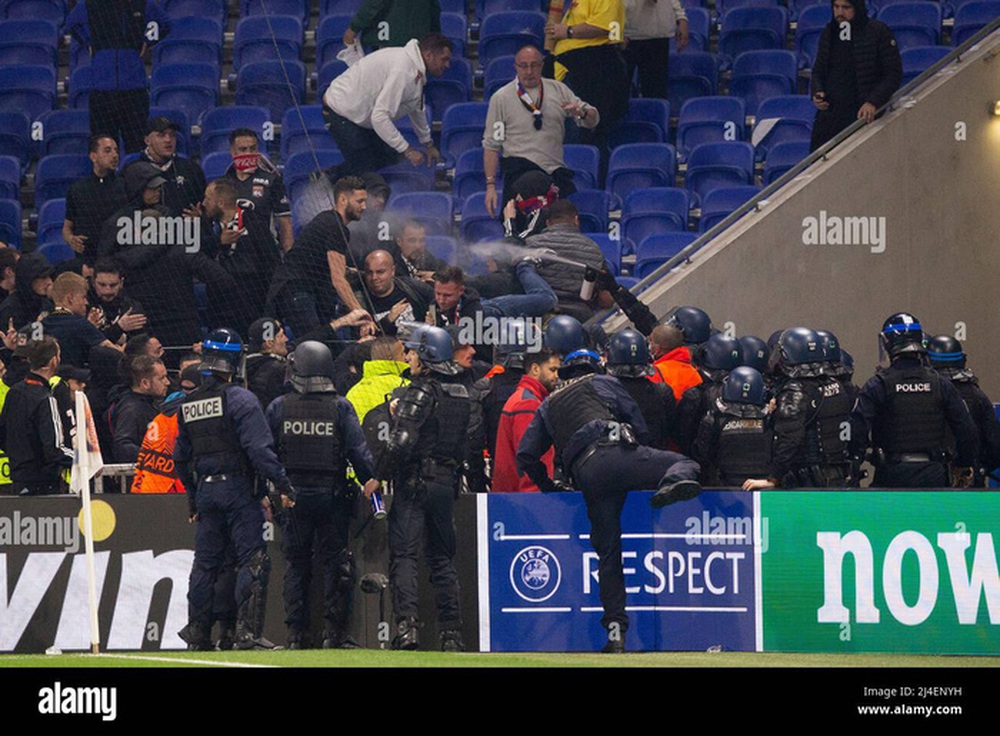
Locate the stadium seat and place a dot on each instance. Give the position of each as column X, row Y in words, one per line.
column 10, row 222
column 477, row 224
column 434, row 210
column 585, row 162
column 647, row 121
column 611, row 249
column 758, row 75
column 53, row 11
column 302, row 129
column 594, row 207
column 196, row 28
column 655, row 250
column 462, row 129
column 217, row 124
column 971, row 17
column 486, row 7
column 783, row 157
column 10, row 177
column 797, row 7
column 28, row 42
column 327, row 73
column 812, row 21
column 918, row 59
column 444, row 247
column 55, row 174
column 344, row 7
column 503, row 33
column 405, row 177
column 191, row 88
column 781, row 119
column 276, row 85
column 15, row 137
column 720, row 203
column 640, row 165
column 692, row 74
column 653, row 210
column 215, row 164
column 455, row 27
column 215, row 9
column 447, row 6
column 78, row 89
column 714, row 165
column 699, row 31
column 300, row 166
column 51, row 216
column 709, row 119
column 721, row 6
column 62, row 131
column 56, row 252
column 913, row 23
column 295, row 8
column 751, row 29
column 171, row 51
column 469, row 174
column 27, row 89
column 267, row 38
column 498, row 72
column 330, row 38
column 453, row 88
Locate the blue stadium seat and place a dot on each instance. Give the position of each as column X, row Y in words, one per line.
column 264, row 83
column 692, row 74
column 63, row 131
column 477, row 224
column 434, row 210
column 196, row 28
column 192, row 88
column 641, row 165
column 405, row 177
column 215, row 164
column 10, row 222
column 217, row 124
column 56, row 252
column 179, row 51
column 53, row 11
column 10, row 177
column 462, row 129
column 504, row 33
column 721, row 6
column 78, row 90
column 28, row 42
column 304, row 133
column 797, row 7
column 215, row 9
column 267, row 38
column 585, row 162
column 752, row 29
column 300, row 166
column 971, row 17
column 327, row 73
column 812, row 21
column 709, row 119
column 344, row 7
column 15, row 137
column 913, row 23
column 453, row 88
column 699, row 32
column 296, row 8
column 654, row 210
column 27, row 89
column 611, row 249
column 593, row 207
column 486, row 7
column 469, row 174
column 498, row 72
column 720, row 203
column 758, row 75
column 405, row 127
column 447, row 6
column 918, row 59
column 783, row 157
column 330, row 38
column 455, row 27
column 55, row 174
column 647, row 121
column 793, row 117
column 655, row 250
column 714, row 165
column 51, row 216
column 444, row 247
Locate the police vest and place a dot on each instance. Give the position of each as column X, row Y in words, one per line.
column 4, row 461
column 914, row 418
column 572, row 406
column 744, row 441
column 204, row 416
column 826, row 439
column 154, row 468
column 444, row 436
column 309, row 440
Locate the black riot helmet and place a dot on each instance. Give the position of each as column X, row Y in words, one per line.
column 564, row 334
column 693, row 322
column 744, row 385
column 434, row 347
column 945, row 352
column 719, row 353
column 522, row 335
column 628, row 354
column 830, row 345
column 221, row 351
column 800, row 345
column 754, row 352
column 902, row 334
column 312, row 368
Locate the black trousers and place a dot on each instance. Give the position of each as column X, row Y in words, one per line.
column 363, row 149
column 120, row 114
column 650, row 56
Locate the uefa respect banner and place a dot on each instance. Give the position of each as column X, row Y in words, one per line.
column 881, row 572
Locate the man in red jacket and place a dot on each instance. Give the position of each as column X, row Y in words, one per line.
column 541, row 372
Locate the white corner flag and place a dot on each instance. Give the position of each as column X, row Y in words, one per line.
column 87, row 462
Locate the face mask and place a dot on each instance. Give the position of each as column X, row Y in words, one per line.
column 246, row 162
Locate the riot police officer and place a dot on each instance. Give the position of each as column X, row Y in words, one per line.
column 629, row 361
column 317, row 433
column 907, row 408
column 222, row 439
column 599, row 433
column 949, row 360
column 423, row 458
column 734, row 437
column 694, row 323
column 713, row 359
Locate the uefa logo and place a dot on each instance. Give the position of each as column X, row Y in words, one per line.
column 535, row 574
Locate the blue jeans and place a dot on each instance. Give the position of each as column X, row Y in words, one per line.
column 537, row 299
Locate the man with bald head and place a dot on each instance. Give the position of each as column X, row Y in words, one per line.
column 672, row 360
column 391, row 299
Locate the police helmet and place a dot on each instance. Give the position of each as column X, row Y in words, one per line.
column 946, row 351
column 221, row 351
column 579, row 363
column 800, row 345
column 521, row 336
column 744, row 385
column 564, row 334
column 693, row 322
column 434, row 347
column 902, row 334
column 830, row 346
column 719, row 353
column 754, row 352
column 312, row 367
column 628, row 354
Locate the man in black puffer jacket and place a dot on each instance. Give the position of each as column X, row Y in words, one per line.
column 857, row 70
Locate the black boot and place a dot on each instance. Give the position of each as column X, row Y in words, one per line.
column 246, row 639
column 682, row 490
column 226, row 636
column 337, row 639
column 197, row 638
column 406, row 634
column 451, row 641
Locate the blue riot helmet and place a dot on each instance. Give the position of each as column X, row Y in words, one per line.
column 628, row 354
column 830, row 346
column 754, row 352
column 221, row 351
column 693, row 322
column 564, row 334
column 719, row 353
column 902, row 334
column 800, row 345
column 580, row 363
column 945, row 352
column 434, row 347
column 312, row 368
column 744, row 385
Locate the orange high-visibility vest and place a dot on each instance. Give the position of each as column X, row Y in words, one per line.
column 154, row 469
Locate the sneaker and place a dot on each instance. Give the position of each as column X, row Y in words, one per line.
column 682, row 490
column 407, row 637
column 258, row 643
column 338, row 640
column 197, row 638
column 451, row 641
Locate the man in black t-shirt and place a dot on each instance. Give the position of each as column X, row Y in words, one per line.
column 260, row 189
column 68, row 322
column 92, row 200
column 393, row 299
column 185, row 181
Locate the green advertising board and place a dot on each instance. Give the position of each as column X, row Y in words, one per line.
column 880, row 572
